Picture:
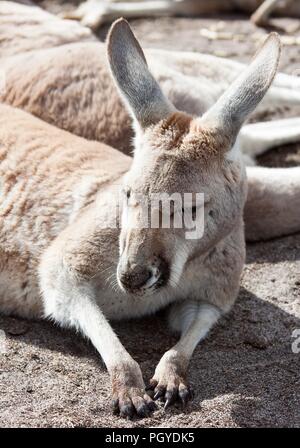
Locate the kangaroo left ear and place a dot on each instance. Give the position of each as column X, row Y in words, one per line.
column 241, row 98
column 128, row 64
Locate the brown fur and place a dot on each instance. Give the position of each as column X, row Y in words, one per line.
column 183, row 135
column 39, row 167
column 78, row 89
column 25, row 28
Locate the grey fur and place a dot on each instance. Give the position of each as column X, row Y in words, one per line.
column 136, row 83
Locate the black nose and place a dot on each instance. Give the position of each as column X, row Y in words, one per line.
column 135, row 278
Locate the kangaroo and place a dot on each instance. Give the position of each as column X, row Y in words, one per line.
column 94, row 13
column 71, row 263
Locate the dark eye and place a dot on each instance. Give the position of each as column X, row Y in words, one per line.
column 127, row 193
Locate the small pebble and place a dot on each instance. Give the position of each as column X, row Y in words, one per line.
column 18, row 328
column 259, row 341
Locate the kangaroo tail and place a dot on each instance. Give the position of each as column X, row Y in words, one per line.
column 273, row 204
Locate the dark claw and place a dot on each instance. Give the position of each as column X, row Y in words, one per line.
column 185, row 396
column 115, row 406
column 127, row 410
column 152, row 406
column 143, row 411
column 160, row 393
column 168, row 403
column 152, row 385
column 171, row 397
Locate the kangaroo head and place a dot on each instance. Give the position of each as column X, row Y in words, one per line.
column 193, row 161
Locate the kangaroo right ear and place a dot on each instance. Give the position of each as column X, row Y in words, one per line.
column 241, row 98
column 128, row 64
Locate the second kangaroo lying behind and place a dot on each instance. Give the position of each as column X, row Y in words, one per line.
column 57, row 234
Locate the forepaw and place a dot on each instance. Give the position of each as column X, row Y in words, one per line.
column 169, row 383
column 129, row 398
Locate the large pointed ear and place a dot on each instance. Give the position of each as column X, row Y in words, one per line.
column 130, row 70
column 241, row 98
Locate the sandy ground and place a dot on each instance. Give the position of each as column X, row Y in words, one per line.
column 245, row 374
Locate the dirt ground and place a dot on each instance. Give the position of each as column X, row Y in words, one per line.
column 244, row 374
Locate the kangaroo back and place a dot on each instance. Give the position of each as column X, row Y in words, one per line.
column 37, row 29
column 273, row 204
